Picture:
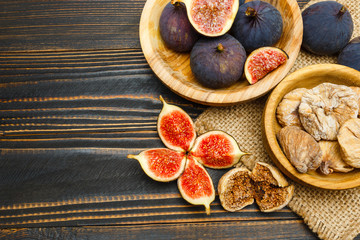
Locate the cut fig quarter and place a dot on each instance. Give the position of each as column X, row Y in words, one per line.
column 195, row 185
column 211, row 18
column 175, row 128
column 161, row 164
column 216, row 149
column 262, row 61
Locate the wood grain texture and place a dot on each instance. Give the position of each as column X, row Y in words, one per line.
column 173, row 68
column 307, row 77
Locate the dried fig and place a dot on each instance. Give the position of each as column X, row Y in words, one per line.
column 175, row 128
column 216, row 149
column 211, row 18
column 175, row 28
column 300, row 148
column 287, row 111
column 195, row 185
column 325, row 108
column 262, row 61
column 357, row 92
column 236, row 189
column 161, row 164
column 349, row 140
column 332, row 159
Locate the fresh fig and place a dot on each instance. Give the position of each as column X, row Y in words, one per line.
column 161, row 164
column 236, row 189
column 328, row 27
column 211, row 18
column 217, row 62
column 195, row 185
column 350, row 55
column 175, row 28
column 216, row 149
column 262, row 61
column 257, row 24
column 175, row 128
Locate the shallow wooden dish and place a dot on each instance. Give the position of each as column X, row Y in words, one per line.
column 173, row 69
column 307, row 77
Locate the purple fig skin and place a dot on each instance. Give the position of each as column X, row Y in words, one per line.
column 176, row 29
column 350, row 55
column 217, row 68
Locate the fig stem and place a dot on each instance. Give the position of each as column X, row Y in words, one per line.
column 342, row 11
column 220, row 47
column 176, row 3
column 207, row 209
column 250, row 12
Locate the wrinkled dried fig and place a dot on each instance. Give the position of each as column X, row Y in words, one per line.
column 332, row 159
column 236, row 189
column 195, row 185
column 287, row 111
column 325, row 108
column 300, row 148
column 216, row 149
column 175, row 127
column 349, row 140
column 357, row 91
column 161, row 164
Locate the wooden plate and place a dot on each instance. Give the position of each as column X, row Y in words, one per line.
column 174, row 71
column 308, row 77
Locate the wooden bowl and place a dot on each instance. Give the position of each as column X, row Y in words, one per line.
column 307, row 77
column 173, row 68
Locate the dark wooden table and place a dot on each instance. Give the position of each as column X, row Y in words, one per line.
column 76, row 97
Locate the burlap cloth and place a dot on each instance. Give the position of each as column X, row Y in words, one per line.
column 330, row 214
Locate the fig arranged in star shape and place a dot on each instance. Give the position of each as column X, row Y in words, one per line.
column 187, row 154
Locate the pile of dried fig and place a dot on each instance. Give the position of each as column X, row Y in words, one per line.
column 219, row 34
column 187, row 154
column 320, row 128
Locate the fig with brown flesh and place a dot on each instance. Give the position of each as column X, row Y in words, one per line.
column 161, row 164
column 175, row 127
column 195, row 185
column 211, row 18
column 262, row 61
column 216, row 149
column 176, row 29
column 239, row 187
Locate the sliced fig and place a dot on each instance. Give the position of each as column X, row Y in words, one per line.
column 195, row 185
column 175, row 28
column 211, row 18
column 161, row 164
column 262, row 61
column 272, row 190
column 216, row 149
column 236, row 189
column 175, row 127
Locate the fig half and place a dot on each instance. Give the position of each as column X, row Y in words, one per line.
column 216, row 149
column 195, row 185
column 211, row 18
column 175, row 128
column 262, row 61
column 161, row 164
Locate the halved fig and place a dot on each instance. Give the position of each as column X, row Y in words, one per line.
column 195, row 185
column 262, row 61
column 211, row 18
column 175, row 128
column 216, row 149
column 272, row 191
column 236, row 189
column 161, row 164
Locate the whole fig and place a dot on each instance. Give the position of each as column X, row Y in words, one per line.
column 350, row 55
column 217, row 62
column 257, row 24
column 328, row 27
column 176, row 29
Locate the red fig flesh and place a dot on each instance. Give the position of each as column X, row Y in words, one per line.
column 161, row 164
column 175, row 127
column 195, row 185
column 216, row 149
